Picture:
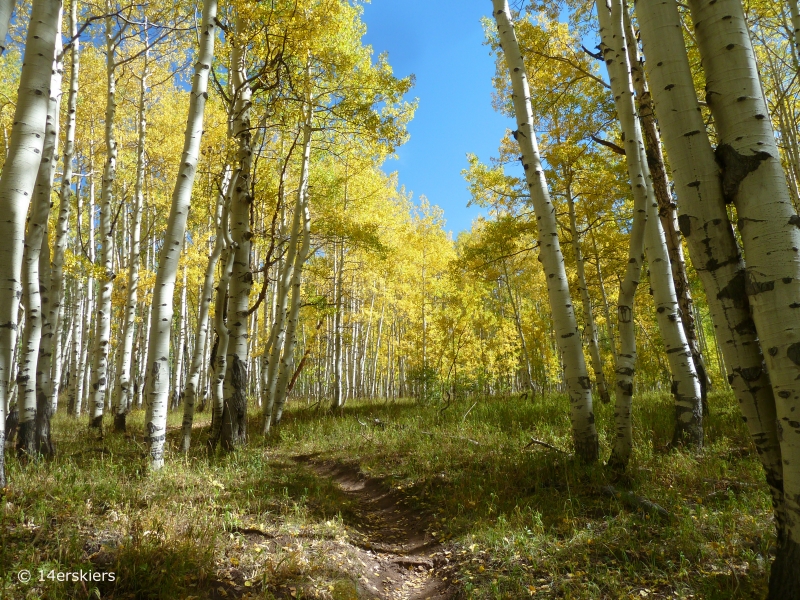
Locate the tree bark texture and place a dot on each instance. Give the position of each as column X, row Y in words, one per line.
column 569, row 340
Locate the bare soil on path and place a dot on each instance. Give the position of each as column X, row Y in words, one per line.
column 402, row 560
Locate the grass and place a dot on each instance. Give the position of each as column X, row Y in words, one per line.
column 515, row 523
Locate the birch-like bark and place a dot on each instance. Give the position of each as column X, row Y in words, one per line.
column 518, row 322
column 179, row 347
column 201, row 336
column 705, row 226
column 34, row 428
column 685, row 383
column 287, row 360
column 19, row 176
column 123, row 392
column 753, row 179
column 164, row 288
column 6, row 10
column 795, row 41
column 569, row 339
column 616, row 59
column 234, row 414
column 586, row 303
column 284, row 285
column 667, row 212
column 338, row 273
column 102, row 337
column 219, row 352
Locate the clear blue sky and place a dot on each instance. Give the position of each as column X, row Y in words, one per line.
column 441, row 43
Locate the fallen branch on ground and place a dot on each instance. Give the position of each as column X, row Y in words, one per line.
column 637, row 502
column 534, row 441
column 457, row 437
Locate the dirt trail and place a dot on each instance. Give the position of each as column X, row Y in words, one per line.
column 401, row 558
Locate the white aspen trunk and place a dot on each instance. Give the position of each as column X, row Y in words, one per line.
column 753, row 178
column 685, row 386
column 287, row 360
column 201, row 336
column 338, row 269
column 123, row 392
column 179, row 347
column 520, row 332
column 65, row 201
column 100, row 372
column 34, row 429
column 220, row 350
column 90, row 289
column 19, row 176
column 234, row 415
column 795, row 41
column 705, row 226
column 6, row 10
column 606, row 308
column 616, row 60
column 284, row 285
column 164, row 288
column 586, row 302
column 377, row 352
column 75, row 357
column 569, row 339
column 667, row 212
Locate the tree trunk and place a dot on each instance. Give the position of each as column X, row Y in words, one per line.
column 164, row 288
column 616, row 60
column 34, row 428
column 569, row 339
column 753, row 179
column 708, row 232
column 6, row 10
column 65, row 199
column 586, row 302
column 667, row 212
column 123, row 389
column 19, row 177
column 685, row 386
column 102, row 338
column 234, row 414
column 202, row 320
column 284, row 284
column 287, row 360
column 179, row 347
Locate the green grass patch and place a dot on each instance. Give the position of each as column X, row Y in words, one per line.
column 515, row 523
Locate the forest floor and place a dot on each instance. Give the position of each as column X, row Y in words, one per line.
column 393, row 501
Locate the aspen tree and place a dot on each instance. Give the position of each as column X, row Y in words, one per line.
column 35, row 240
column 123, row 391
column 179, row 347
column 569, row 339
column 6, row 10
column 18, row 178
column 685, row 384
column 705, row 225
column 100, row 373
column 753, row 179
column 301, row 208
column 282, row 302
column 234, row 415
column 586, row 302
column 65, row 196
column 161, row 310
column 193, row 376
column 667, row 213
column 220, row 351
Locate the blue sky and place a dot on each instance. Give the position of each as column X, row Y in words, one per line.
column 441, row 43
